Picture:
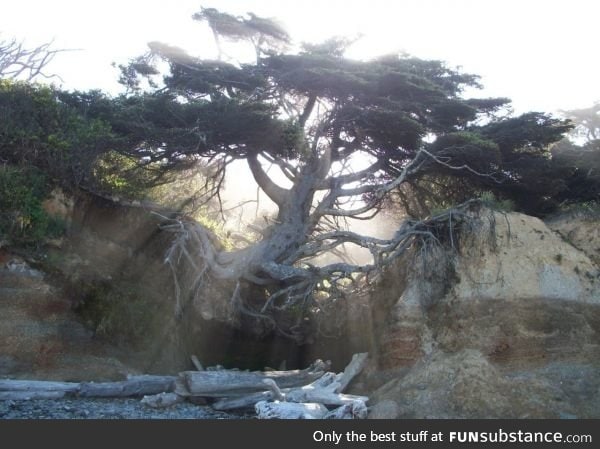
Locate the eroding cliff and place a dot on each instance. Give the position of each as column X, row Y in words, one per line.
column 516, row 334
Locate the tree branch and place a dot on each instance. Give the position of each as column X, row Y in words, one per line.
column 276, row 193
column 310, row 104
column 17, row 61
column 288, row 170
column 348, row 178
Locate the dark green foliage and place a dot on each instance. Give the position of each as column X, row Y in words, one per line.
column 232, row 27
column 510, row 158
column 384, row 107
column 22, row 219
column 57, row 132
column 581, row 168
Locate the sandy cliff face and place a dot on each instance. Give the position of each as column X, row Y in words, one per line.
column 582, row 230
column 515, row 330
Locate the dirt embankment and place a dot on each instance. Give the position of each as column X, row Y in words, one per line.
column 513, row 333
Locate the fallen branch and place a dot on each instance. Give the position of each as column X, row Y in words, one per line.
column 353, row 369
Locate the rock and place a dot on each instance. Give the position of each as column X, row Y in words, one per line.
column 17, row 265
column 385, row 409
column 161, row 400
column 467, row 385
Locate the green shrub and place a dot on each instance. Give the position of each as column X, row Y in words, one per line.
column 22, row 218
column 49, row 129
column 491, row 201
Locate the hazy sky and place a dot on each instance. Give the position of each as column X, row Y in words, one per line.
column 541, row 53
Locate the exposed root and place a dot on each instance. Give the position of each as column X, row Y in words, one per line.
column 294, row 287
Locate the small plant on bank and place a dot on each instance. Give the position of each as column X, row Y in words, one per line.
column 23, row 221
column 490, row 200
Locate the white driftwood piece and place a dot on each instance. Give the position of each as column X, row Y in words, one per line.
column 353, row 410
column 162, row 400
column 353, row 369
column 289, row 410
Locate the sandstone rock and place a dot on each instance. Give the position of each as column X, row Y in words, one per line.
column 518, row 257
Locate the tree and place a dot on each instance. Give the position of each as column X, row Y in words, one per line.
column 315, row 114
column 580, row 162
column 20, row 62
column 587, row 122
column 60, row 133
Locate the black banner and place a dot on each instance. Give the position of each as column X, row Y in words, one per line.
column 305, row 434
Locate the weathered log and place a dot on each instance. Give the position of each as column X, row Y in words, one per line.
column 133, row 386
column 232, row 383
column 297, row 395
column 289, row 410
column 352, row 410
column 162, row 400
column 28, row 395
column 38, row 385
column 242, row 402
column 353, row 369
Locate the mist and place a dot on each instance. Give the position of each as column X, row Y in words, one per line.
column 247, row 208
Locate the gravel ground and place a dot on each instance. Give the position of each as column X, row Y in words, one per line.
column 106, row 409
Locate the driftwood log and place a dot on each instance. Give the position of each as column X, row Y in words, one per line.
column 133, row 386
column 39, row 389
column 237, row 383
column 311, row 393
